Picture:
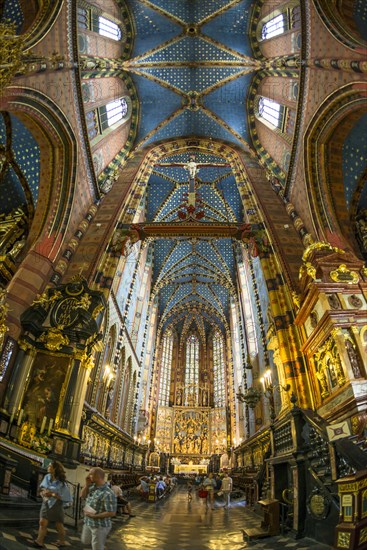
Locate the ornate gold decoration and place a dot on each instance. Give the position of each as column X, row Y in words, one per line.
column 4, row 308
column 45, row 300
column 344, row 275
column 307, row 269
column 320, row 245
column 11, row 53
column 329, row 370
column 296, row 299
column 54, row 339
column 97, row 310
column 343, row 539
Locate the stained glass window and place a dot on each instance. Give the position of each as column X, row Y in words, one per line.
column 273, row 27
column 112, row 112
column 166, row 366
column 271, row 111
column 218, row 370
column 192, row 370
column 108, row 28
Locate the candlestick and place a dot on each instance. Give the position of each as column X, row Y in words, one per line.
column 20, row 416
column 43, row 425
column 50, row 426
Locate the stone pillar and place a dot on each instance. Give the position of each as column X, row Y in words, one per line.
column 64, row 422
column 21, row 369
column 78, row 395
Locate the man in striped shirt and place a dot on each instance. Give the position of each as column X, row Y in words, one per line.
column 99, row 509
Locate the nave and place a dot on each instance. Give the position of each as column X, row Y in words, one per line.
column 179, row 524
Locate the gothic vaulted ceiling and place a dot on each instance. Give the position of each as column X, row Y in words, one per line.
column 192, row 65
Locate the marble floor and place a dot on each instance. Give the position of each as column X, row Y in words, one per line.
column 178, row 524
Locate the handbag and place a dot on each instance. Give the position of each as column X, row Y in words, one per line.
column 202, row 493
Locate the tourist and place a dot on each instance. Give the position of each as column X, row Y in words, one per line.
column 227, row 486
column 122, row 503
column 55, row 494
column 99, row 509
column 209, row 485
column 160, row 487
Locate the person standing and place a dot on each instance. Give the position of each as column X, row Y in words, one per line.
column 227, row 486
column 99, row 509
column 209, row 484
column 55, row 494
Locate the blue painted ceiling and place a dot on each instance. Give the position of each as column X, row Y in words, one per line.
column 354, row 162
column 192, row 65
column 19, row 177
column 185, row 47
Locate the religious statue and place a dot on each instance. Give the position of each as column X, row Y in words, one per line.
column 320, row 375
column 361, row 227
column 17, row 247
column 192, row 167
column 353, row 358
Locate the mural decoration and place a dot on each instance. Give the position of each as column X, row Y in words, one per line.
column 42, row 396
column 164, row 428
column 218, row 430
column 191, row 432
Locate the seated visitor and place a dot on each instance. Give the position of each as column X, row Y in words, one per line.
column 122, row 503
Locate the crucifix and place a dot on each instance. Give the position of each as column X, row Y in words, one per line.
column 192, row 200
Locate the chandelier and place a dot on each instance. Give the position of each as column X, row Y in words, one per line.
column 250, row 396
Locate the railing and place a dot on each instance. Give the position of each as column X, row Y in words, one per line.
column 74, row 512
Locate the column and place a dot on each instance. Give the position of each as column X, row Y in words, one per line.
column 20, row 372
column 80, row 390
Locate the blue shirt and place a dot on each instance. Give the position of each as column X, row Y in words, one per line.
column 55, row 486
column 102, row 499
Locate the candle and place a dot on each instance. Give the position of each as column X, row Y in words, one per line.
column 20, row 416
column 43, row 425
column 50, row 426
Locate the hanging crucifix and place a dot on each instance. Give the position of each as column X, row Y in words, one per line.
column 192, row 203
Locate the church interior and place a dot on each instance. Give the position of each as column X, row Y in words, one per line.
column 183, row 247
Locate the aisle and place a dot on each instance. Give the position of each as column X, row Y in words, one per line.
column 177, row 524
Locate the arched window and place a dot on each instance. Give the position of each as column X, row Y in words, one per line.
column 192, row 370
column 271, row 111
column 109, row 116
column 279, row 22
column 273, row 27
column 218, row 371
column 90, row 20
column 109, row 28
column 166, row 365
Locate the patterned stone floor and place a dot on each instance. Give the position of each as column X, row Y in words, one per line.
column 176, row 524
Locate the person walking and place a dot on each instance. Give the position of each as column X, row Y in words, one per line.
column 55, row 494
column 99, row 509
column 209, row 485
column 227, row 486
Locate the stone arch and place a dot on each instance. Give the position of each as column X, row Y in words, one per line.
column 275, row 271
column 342, row 20
column 34, row 19
column 324, row 141
column 58, row 146
column 58, row 150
